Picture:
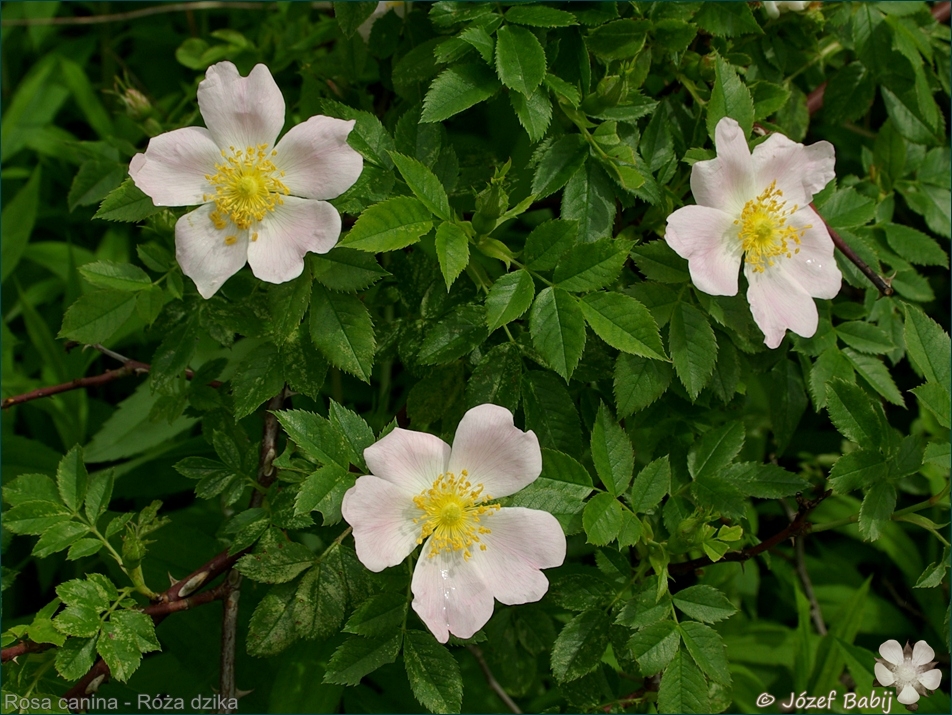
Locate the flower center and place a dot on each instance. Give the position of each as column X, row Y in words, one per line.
column 247, row 185
column 452, row 508
column 764, row 232
column 906, row 674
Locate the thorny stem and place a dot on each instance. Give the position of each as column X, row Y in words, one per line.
column 491, row 680
column 229, row 640
column 816, row 614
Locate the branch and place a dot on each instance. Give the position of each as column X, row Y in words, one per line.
column 134, row 14
column 229, row 640
column 23, row 648
column 882, row 285
column 796, row 527
column 941, row 11
column 816, row 614
column 491, row 680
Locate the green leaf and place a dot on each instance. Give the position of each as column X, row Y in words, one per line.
column 935, row 398
column 786, row 397
column 539, row 16
column 72, row 479
column 928, row 347
column 433, row 672
column 561, row 490
column 319, row 601
column 481, row 40
column 357, row 657
column 345, row 269
column 683, row 688
column 611, row 452
column 617, row 40
column 390, row 225
column 707, row 650
column 17, row 221
column 602, row 519
column 764, row 481
column 876, row 509
column 497, row 379
column 323, row 491
column 30, row 487
column 716, row 449
column 623, row 323
column 693, row 348
column 591, row 266
column 119, row 276
column 369, row 137
column 58, row 538
column 351, row 15
column 534, row 112
column 726, row 20
column 729, row 98
column 510, row 297
column 355, row 430
column 80, row 619
column 857, row 469
column 287, row 304
column 590, row 199
column 275, row 559
column 341, row 328
column 650, row 486
column 847, row 208
column 558, row 330
column 915, row 246
column 580, row 645
column 316, row 437
column 127, row 203
column 456, row 334
column 456, row 89
column 548, row 242
column 876, row 374
column 75, row 657
column 272, row 627
column 638, row 382
column 660, row 263
column 424, row 185
column 654, row 647
column 855, row 416
column 520, row 59
column 452, row 250
column 34, row 517
column 831, row 364
column 96, row 316
column 865, row 337
column 258, row 378
column 561, row 160
column 934, row 573
column 378, row 615
column 849, row 93
column 550, row 412
column 704, row 603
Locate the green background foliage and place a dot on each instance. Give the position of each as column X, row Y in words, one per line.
column 503, row 244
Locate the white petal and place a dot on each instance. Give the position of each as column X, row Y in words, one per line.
column 771, row 7
column 779, row 303
column 800, row 171
column 316, row 159
column 727, row 182
column 908, row 696
column 410, row 460
column 202, row 252
column 930, row 679
column 521, row 542
column 884, row 675
column 494, row 452
column 922, row 653
column 892, row 652
column 814, row 267
column 449, row 596
column 382, row 516
column 289, row 232
column 173, row 168
column 707, row 237
column 241, row 111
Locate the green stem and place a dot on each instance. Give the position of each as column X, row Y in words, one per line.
column 902, row 512
column 532, row 273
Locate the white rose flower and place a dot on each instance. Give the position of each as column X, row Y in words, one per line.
column 261, row 203
column 424, row 492
column 756, row 208
column 775, row 8
column 910, row 670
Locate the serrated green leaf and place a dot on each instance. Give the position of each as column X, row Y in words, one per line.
column 378, row 615
column 915, row 246
column 258, row 378
column 550, row 412
column 80, row 620
column 345, row 269
column 936, row 399
column 319, row 601
column 275, row 559
column 433, row 673
column 343, row 331
column 660, row 263
column 764, row 481
column 928, row 347
column 59, row 537
column 97, row 315
column 654, row 646
column 590, row 199
column 520, row 59
column 390, row 225
column 118, row 276
column 704, row 603
column 602, row 519
column 75, row 657
column 454, row 335
column 831, row 364
column 452, row 250
column 693, row 348
column 716, row 449
column 357, row 657
column 619, row 39
column 456, row 89
column 127, row 203
column 591, row 266
column 729, row 98
column 638, row 382
column 30, row 487
column 509, row 298
column 369, row 137
column 72, row 479
column 651, row 485
column 558, row 330
column 533, row 112
column 17, row 222
column 857, row 469
column 683, row 687
column 324, row 491
column 854, row 415
column 539, row 16
column 316, row 437
column 865, row 337
column 876, row 374
column 272, row 627
column 424, row 185
column 548, row 242
column 876, row 509
column 624, row 323
column 580, row 645
column 561, row 160
column 34, row 517
column 707, row 650
column 561, row 490
column 611, row 452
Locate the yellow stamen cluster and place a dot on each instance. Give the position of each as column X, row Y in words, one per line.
column 764, row 232
column 452, row 508
column 248, row 186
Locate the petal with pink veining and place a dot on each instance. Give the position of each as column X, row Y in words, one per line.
column 800, row 171
column 241, row 112
column 707, row 238
column 173, row 168
column 449, row 596
column 382, row 517
column 727, row 182
column 316, row 159
column 209, row 255
column 778, row 303
column 410, row 460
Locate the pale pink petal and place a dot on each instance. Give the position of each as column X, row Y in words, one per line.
column 707, row 238
column 922, row 653
column 241, row 112
column 521, row 541
column 930, row 679
column 779, row 303
column 884, row 675
column 814, row 267
column 449, row 596
column 382, row 516
column 173, row 168
column 892, row 652
column 727, row 182
column 494, row 452
column 410, row 460
column 203, row 253
column 289, row 232
column 908, row 696
column 316, row 159
column 800, row 171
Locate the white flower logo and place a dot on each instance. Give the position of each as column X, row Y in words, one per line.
column 910, row 670
column 424, row 492
column 261, row 203
column 755, row 208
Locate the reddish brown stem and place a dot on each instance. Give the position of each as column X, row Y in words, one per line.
column 78, row 383
column 23, row 648
column 941, row 11
column 815, row 99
